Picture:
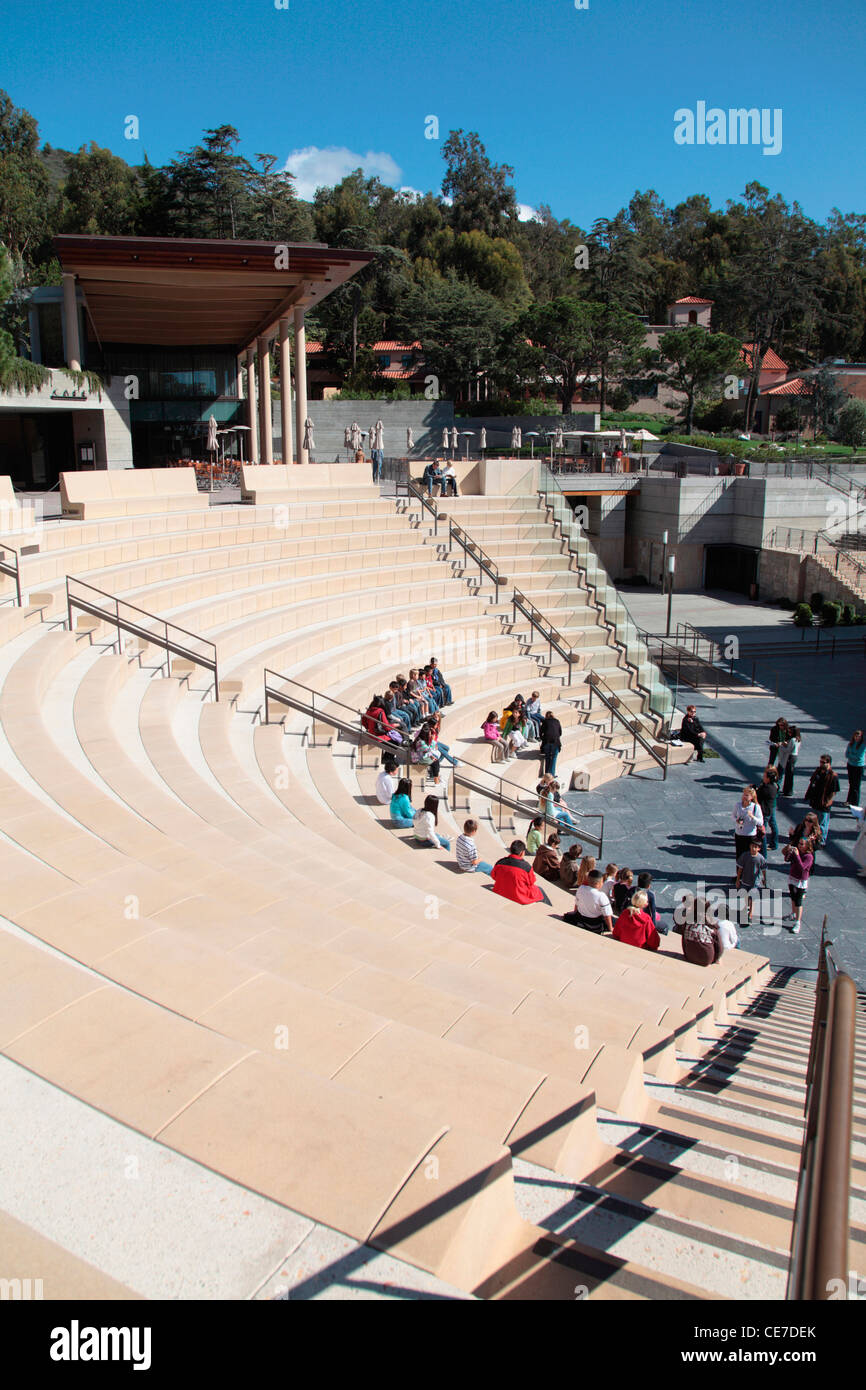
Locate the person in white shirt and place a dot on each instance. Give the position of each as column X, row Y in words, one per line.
column 591, row 906
column 424, row 823
column 469, row 860
column 386, row 782
column 748, row 821
column 728, row 935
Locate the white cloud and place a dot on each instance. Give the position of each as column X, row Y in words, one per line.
column 526, row 213
column 314, row 167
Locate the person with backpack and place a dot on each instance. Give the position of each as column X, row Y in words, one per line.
column 768, row 792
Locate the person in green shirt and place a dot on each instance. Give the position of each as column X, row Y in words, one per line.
column 535, row 838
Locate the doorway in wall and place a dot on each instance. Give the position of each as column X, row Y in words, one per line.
column 732, row 567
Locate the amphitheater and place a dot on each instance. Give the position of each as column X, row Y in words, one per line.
column 254, row 1043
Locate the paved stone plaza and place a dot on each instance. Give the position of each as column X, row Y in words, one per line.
column 682, row 829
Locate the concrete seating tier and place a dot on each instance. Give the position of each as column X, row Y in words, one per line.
column 159, row 857
column 130, row 491
column 290, row 482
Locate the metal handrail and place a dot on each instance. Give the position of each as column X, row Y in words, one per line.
column 688, row 523
column 669, row 656
column 138, row 629
column 613, row 704
column 818, row 1268
column 306, row 703
column 474, row 552
column 11, row 567
column 425, row 502
column 537, row 621
column 516, row 801
column 505, row 792
column 795, row 539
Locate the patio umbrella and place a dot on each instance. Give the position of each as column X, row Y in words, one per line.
column 446, row 438
column 558, row 441
column 211, row 443
column 532, row 435
column 354, row 436
column 516, row 438
column 309, row 443
column 483, row 440
column 378, row 441
column 410, row 442
column 455, row 438
column 467, row 435
column 347, row 438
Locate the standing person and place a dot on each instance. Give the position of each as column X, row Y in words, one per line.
column 748, row 821
column 808, row 829
column 513, row 878
column 469, row 861
column 821, row 792
column 377, row 460
column 591, row 906
column 751, row 867
column 546, row 861
column 551, row 741
column 855, row 757
column 800, row 860
column 692, row 731
column 788, row 755
column 425, row 822
column 768, row 792
column 634, row 926
column 776, row 738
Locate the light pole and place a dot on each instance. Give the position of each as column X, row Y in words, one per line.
column 672, row 564
column 664, row 556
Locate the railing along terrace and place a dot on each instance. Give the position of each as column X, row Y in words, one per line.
column 138, row 623
column 634, row 724
column 818, row 1268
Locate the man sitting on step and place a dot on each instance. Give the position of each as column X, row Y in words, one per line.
column 591, row 906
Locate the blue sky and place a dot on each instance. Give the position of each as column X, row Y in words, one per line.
column 580, row 102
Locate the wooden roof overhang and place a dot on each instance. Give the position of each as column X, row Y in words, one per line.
column 176, row 292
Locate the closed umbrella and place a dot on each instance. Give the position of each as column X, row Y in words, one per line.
column 558, row 441
column 482, row 443
column 379, row 435
column 516, row 438
column 455, row 439
column 211, row 443
column 410, row 442
column 446, row 438
column 347, row 438
column 355, row 435
column 309, row 443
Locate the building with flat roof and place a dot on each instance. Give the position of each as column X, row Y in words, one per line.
column 178, row 330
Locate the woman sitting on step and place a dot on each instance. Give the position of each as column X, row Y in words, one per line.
column 402, row 814
column 425, row 822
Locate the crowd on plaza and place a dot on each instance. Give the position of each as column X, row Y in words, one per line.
column 615, row 902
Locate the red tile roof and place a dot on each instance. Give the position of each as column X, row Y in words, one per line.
column 796, row 387
column 771, row 362
column 313, row 346
column 400, row 373
column 693, row 299
column 387, row 345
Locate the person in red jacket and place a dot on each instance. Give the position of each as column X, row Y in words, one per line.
column 513, row 877
column 634, row 926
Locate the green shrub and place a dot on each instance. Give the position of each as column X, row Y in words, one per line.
column 830, row 613
column 816, row 602
column 848, row 615
column 803, row 615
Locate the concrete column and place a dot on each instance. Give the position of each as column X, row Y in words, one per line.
column 70, row 323
column 252, row 418
column 300, row 384
column 286, row 392
column 266, row 432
